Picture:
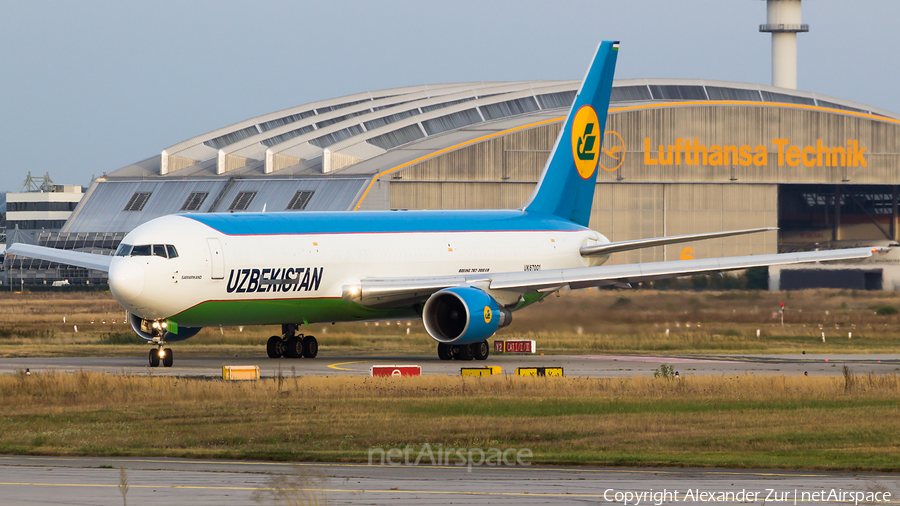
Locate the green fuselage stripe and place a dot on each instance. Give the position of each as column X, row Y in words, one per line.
column 300, row 310
column 277, row 311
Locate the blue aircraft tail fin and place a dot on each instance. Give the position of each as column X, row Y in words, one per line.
column 566, row 187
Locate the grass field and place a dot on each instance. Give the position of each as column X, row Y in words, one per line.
column 771, row 421
column 846, row 423
column 31, row 324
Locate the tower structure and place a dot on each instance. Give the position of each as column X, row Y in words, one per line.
column 783, row 22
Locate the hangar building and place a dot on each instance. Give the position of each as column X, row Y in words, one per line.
column 679, row 156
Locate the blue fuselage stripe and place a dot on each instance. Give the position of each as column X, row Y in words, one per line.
column 373, row 222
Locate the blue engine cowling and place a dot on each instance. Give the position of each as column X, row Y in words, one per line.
column 463, row 315
column 144, row 329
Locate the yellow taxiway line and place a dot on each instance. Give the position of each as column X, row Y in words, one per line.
column 335, row 366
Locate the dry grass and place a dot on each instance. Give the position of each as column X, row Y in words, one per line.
column 846, row 422
column 31, row 324
column 754, row 421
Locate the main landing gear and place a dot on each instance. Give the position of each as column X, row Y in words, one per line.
column 477, row 351
column 291, row 345
column 163, row 355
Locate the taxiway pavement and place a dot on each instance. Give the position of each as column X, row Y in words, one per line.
column 95, row 481
column 573, row 365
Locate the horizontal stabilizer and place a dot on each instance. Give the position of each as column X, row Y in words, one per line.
column 615, row 247
column 76, row 258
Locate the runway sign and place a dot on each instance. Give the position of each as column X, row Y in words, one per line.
column 539, row 371
column 480, row 371
column 240, row 372
column 519, row 346
column 396, row 370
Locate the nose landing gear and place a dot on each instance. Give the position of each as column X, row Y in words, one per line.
column 291, row 345
column 163, row 355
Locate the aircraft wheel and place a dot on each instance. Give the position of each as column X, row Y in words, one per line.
column 444, row 351
column 275, row 347
column 154, row 358
column 482, row 350
column 464, row 352
column 293, row 348
column 168, row 358
column 310, row 347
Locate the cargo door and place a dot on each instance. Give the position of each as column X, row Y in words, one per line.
column 217, row 261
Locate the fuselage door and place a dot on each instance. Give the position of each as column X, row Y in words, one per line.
column 217, row 262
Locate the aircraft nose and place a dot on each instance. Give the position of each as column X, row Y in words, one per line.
column 126, row 279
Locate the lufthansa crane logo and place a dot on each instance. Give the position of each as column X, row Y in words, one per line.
column 613, row 151
column 488, row 314
column 586, row 141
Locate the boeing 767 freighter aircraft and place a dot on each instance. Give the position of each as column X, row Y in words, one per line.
column 462, row 272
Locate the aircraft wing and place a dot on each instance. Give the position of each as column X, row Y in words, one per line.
column 76, row 258
column 631, row 273
column 398, row 292
column 615, row 247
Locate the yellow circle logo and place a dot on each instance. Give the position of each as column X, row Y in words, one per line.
column 612, row 152
column 487, row 314
column 586, row 141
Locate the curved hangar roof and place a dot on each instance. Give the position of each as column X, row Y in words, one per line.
column 283, row 156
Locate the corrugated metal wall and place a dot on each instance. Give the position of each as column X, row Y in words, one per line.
column 275, row 194
column 696, row 208
column 753, row 126
column 635, row 211
column 639, row 200
column 521, row 156
column 458, row 195
column 479, row 162
column 104, row 211
column 625, row 211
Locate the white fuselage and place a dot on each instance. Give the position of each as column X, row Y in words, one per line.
column 212, row 266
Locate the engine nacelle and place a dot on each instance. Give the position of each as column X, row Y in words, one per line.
column 463, row 315
column 153, row 330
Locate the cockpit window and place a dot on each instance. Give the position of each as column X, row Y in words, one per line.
column 146, row 250
column 142, row 250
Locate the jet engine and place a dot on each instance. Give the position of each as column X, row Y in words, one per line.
column 157, row 330
column 463, row 315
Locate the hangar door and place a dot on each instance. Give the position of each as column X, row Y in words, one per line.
column 855, row 279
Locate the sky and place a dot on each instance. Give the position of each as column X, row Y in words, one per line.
column 88, row 87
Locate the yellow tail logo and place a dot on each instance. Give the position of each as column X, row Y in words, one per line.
column 585, row 141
